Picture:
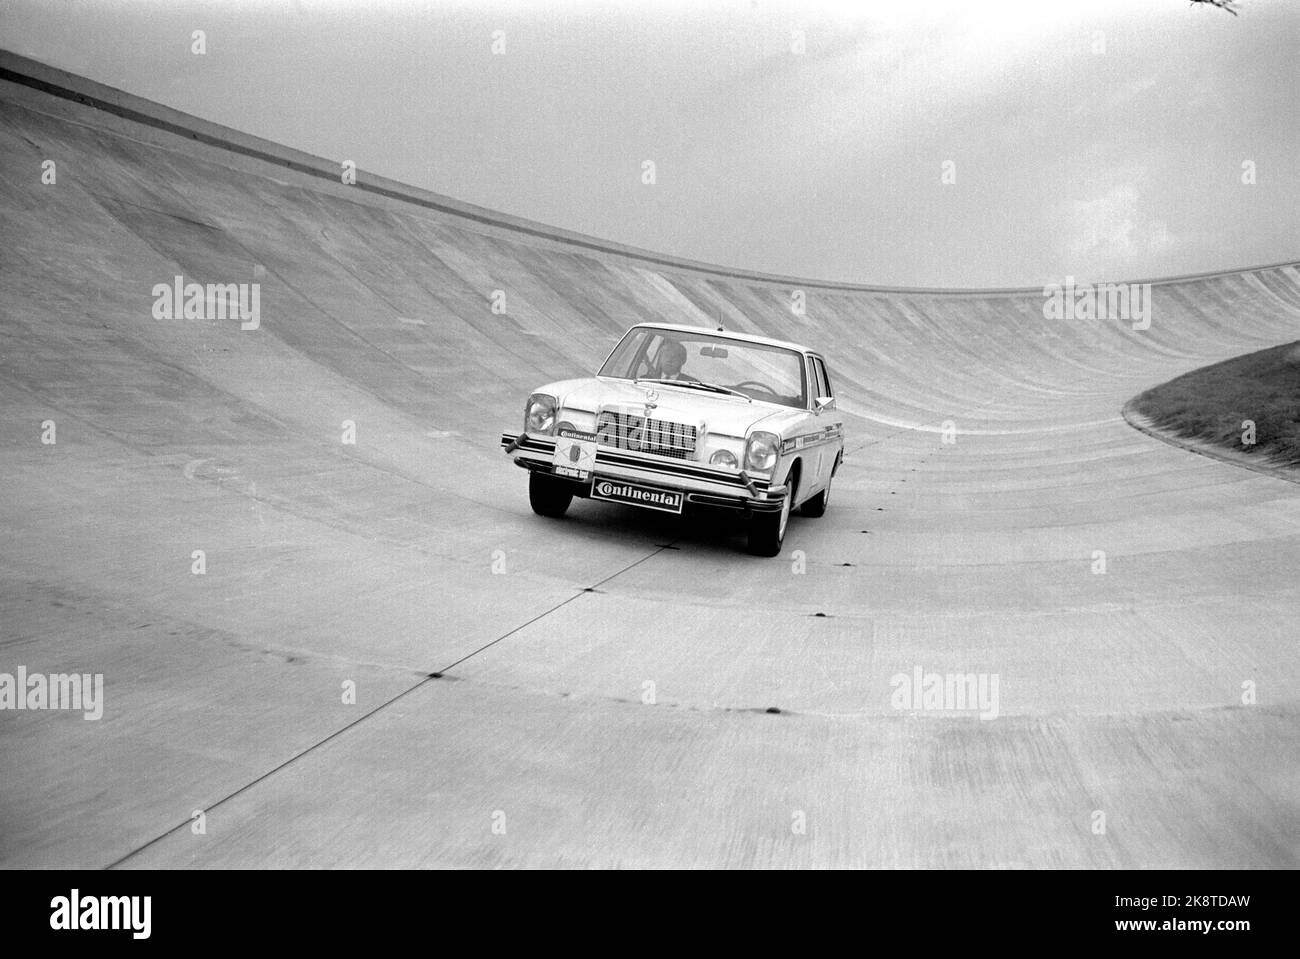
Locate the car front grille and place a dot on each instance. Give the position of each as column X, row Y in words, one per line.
column 628, row 431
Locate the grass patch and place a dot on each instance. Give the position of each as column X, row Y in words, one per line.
column 1209, row 405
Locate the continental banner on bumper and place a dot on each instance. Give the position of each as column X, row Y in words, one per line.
column 634, row 494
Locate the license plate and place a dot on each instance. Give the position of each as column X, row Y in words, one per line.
column 633, row 494
column 575, row 454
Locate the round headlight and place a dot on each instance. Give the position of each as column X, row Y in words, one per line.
column 539, row 415
column 723, row 458
column 761, row 450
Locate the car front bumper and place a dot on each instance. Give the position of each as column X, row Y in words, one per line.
column 700, row 485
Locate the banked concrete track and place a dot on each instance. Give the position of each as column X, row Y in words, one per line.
column 414, row 552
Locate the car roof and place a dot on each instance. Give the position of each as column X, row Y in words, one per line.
column 746, row 337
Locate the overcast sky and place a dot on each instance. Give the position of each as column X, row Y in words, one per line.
column 1099, row 138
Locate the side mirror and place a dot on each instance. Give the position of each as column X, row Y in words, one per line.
column 823, row 403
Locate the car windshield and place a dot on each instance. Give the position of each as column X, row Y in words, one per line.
column 773, row 374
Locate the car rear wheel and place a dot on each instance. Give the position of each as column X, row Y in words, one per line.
column 767, row 530
column 548, row 496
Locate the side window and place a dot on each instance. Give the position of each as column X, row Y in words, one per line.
column 821, row 387
column 826, row 378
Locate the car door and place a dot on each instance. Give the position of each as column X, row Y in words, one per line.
column 816, row 463
column 829, row 422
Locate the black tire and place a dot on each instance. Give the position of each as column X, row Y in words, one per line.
column 817, row 505
column 767, row 530
column 548, row 496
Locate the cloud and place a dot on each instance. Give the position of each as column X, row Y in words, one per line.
column 1126, row 93
column 1108, row 231
column 817, row 50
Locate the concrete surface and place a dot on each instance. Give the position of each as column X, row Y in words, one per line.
column 414, row 552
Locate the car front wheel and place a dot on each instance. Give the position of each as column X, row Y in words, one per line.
column 817, row 505
column 548, row 496
column 767, row 530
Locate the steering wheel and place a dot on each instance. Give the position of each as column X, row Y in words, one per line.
column 762, row 386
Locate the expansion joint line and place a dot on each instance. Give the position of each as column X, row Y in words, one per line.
column 382, row 706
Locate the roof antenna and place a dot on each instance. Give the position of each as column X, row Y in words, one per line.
column 720, row 329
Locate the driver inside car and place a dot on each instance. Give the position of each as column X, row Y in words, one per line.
column 672, row 357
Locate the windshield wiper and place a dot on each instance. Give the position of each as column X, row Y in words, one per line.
column 697, row 384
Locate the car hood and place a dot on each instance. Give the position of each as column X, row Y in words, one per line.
column 718, row 413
